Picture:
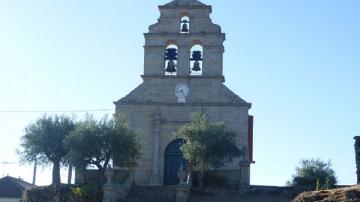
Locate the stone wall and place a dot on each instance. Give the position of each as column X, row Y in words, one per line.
column 141, row 118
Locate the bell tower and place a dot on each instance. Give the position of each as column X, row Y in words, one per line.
column 184, row 42
column 183, row 73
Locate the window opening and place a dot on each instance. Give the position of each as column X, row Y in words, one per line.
column 196, row 60
column 185, row 25
column 171, row 54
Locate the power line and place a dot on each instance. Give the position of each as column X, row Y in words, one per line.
column 56, row 111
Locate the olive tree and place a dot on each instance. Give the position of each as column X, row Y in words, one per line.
column 97, row 143
column 43, row 140
column 207, row 145
column 314, row 173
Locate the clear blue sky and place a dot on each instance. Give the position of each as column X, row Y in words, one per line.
column 297, row 62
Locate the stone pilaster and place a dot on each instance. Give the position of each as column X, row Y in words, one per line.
column 183, row 64
column 357, row 157
column 244, row 183
column 155, row 177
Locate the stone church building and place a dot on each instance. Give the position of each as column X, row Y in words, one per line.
column 183, row 73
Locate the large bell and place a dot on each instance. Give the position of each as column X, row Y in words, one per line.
column 170, row 67
column 196, row 67
column 185, row 28
column 171, row 54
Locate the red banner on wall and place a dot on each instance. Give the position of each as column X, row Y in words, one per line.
column 251, row 138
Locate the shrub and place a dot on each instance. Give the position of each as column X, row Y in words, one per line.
column 314, row 174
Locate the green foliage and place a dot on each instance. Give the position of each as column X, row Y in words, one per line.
column 207, row 145
column 312, row 171
column 98, row 142
column 68, row 193
column 125, row 145
column 87, row 192
column 328, row 183
column 43, row 140
column 77, row 192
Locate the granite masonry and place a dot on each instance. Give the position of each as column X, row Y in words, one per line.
column 183, row 73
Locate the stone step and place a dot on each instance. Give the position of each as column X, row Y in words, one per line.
column 147, row 193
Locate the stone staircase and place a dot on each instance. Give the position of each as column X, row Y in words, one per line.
column 148, row 193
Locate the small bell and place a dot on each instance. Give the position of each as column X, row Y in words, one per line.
column 196, row 67
column 170, row 67
column 185, row 28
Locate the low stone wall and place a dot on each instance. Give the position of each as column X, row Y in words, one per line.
column 93, row 176
column 288, row 191
column 88, row 175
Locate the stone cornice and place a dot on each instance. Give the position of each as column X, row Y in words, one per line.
column 144, row 77
column 185, row 104
column 208, row 7
column 185, row 35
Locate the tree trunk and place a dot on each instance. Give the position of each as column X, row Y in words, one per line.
column 84, row 174
column 56, row 173
column 34, row 173
column 70, row 173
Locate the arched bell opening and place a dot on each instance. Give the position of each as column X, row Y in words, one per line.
column 196, row 60
column 171, row 56
column 174, row 160
column 185, row 25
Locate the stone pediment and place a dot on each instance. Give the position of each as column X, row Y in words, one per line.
column 150, row 93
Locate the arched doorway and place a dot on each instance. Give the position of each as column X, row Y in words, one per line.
column 174, row 158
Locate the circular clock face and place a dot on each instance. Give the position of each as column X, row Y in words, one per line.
column 181, row 90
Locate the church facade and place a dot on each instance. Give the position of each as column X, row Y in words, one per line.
column 183, row 73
